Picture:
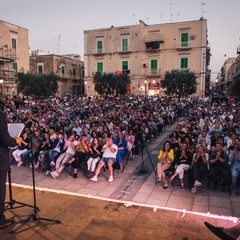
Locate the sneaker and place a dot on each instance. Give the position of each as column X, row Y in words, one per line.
column 19, row 163
column 197, row 183
column 194, row 190
column 75, row 175
column 110, row 179
column 52, row 163
column 94, row 178
column 47, row 172
column 54, row 174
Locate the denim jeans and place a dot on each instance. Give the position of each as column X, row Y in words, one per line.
column 235, row 174
column 29, row 155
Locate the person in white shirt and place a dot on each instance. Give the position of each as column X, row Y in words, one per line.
column 70, row 145
column 109, row 151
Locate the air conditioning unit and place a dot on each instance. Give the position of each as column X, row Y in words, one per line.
column 59, row 66
column 145, row 65
column 71, row 71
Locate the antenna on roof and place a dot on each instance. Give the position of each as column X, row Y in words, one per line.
column 170, row 8
column 202, row 11
column 58, row 43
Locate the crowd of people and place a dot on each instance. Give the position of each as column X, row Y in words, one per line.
column 206, row 146
column 96, row 132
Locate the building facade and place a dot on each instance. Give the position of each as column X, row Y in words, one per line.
column 69, row 68
column 14, row 55
column 230, row 72
column 146, row 52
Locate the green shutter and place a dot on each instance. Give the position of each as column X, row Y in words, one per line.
column 124, row 66
column 99, row 47
column 124, row 45
column 14, row 66
column 184, row 63
column 40, row 69
column 154, row 66
column 184, row 39
column 100, row 67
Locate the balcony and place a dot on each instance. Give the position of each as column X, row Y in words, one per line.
column 153, row 72
column 184, row 45
column 152, row 46
column 124, row 50
column 99, row 52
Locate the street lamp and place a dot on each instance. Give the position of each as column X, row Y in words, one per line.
column 145, row 82
column 216, row 82
column 1, row 82
column 85, row 88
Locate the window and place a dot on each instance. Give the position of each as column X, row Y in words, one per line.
column 14, row 43
column 154, row 64
column 124, row 45
column 99, row 47
column 124, row 66
column 184, row 63
column 40, row 68
column 14, row 66
column 184, row 39
column 63, row 71
column 74, row 71
column 100, row 67
column 151, row 46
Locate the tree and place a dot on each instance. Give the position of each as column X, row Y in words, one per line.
column 111, row 83
column 43, row 85
column 180, row 83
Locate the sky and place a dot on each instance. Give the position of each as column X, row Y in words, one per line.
column 57, row 26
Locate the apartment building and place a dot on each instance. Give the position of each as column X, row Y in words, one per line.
column 69, row 68
column 146, row 52
column 14, row 55
column 230, row 71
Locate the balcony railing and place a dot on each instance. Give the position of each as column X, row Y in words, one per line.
column 184, row 45
column 153, row 72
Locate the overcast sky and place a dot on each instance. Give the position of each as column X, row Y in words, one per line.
column 57, row 25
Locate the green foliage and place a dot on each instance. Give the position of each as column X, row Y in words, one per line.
column 42, row 86
column 180, row 83
column 111, row 84
column 235, row 87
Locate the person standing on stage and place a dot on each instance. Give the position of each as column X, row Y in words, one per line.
column 6, row 141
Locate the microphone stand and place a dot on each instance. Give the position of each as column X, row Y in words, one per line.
column 34, row 216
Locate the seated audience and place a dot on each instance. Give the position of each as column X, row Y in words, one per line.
column 165, row 159
column 234, row 157
column 69, row 146
column 95, row 157
column 199, row 167
column 183, row 160
column 122, row 146
column 83, row 150
column 22, row 148
column 109, row 151
column 219, row 167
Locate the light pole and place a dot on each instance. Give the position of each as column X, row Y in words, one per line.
column 145, row 82
column 1, row 82
column 85, row 88
column 216, row 82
